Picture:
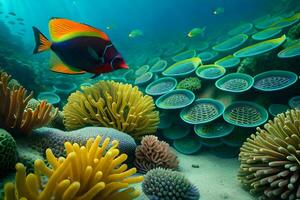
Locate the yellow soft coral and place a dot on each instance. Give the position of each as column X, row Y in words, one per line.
column 88, row 172
column 112, row 104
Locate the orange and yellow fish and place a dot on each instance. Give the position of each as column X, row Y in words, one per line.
column 78, row 48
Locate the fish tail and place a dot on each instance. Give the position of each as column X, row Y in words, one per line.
column 41, row 42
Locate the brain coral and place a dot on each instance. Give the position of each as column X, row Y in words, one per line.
column 167, row 184
column 191, row 83
column 270, row 158
column 88, row 172
column 8, row 152
column 153, row 153
column 112, row 104
column 52, row 138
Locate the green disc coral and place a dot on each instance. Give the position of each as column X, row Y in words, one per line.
column 260, row 48
column 291, row 51
column 176, row 131
column 175, row 99
column 235, row 82
column 190, row 83
column 235, row 139
column 187, row 145
column 159, row 66
column 231, row 43
column 215, row 129
column 182, row 68
column 294, row 102
column 209, row 142
column 244, row 28
column 64, row 88
column 275, row 109
column 184, row 55
column 245, row 114
column 210, row 72
column 50, row 97
column 164, row 120
column 274, row 80
column 228, row 61
column 285, row 22
column 207, row 56
column 202, row 111
column 144, row 79
column 161, row 86
column 8, row 152
column 267, row 33
column 267, row 22
column 142, row 70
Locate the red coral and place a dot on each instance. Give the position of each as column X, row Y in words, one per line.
column 153, row 153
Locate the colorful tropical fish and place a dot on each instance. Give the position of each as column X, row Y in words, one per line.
column 78, row 48
column 197, row 32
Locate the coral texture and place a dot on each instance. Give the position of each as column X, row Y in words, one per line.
column 88, row 172
column 191, row 83
column 153, row 153
column 270, row 166
column 8, row 152
column 112, row 104
column 14, row 116
column 52, row 138
column 167, row 184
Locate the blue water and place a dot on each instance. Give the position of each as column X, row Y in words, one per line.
column 158, row 19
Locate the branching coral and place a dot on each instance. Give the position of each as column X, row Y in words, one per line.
column 112, row 104
column 191, row 83
column 88, row 172
column 166, row 184
column 153, row 153
column 14, row 116
column 52, row 138
column 270, row 158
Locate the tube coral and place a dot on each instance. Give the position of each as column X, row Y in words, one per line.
column 88, row 172
column 114, row 105
column 153, row 153
column 14, row 116
column 270, row 158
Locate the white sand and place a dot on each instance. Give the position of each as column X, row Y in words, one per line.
column 215, row 177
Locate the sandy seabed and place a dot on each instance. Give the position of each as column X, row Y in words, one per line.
column 215, row 177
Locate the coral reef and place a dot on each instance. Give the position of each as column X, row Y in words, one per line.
column 112, row 104
column 88, row 172
column 8, row 152
column 270, row 158
column 167, row 184
column 153, row 153
column 191, row 83
column 27, row 156
column 52, row 138
column 14, row 116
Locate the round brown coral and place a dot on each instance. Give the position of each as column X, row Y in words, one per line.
column 270, row 159
column 153, row 153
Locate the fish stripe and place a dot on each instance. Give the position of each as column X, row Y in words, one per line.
column 63, row 29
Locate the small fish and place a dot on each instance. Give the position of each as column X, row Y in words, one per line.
column 197, row 32
column 108, row 28
column 219, row 10
column 20, row 19
column 135, row 33
column 78, row 48
column 21, row 23
column 12, row 22
column 12, row 13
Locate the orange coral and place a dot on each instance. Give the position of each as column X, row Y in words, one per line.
column 14, row 116
column 153, row 153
